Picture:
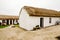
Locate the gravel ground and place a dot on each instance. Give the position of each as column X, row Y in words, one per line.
column 49, row 33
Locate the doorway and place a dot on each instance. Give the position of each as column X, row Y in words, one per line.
column 7, row 22
column 41, row 22
column 10, row 22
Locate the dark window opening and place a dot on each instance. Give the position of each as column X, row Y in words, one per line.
column 16, row 20
column 7, row 22
column 3, row 21
column 10, row 21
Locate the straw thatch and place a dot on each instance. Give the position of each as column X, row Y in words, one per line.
column 8, row 17
column 59, row 11
column 32, row 11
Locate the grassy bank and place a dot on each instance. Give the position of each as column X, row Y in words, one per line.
column 17, row 25
column 3, row 26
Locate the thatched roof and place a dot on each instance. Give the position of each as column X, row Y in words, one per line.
column 59, row 11
column 8, row 17
column 32, row 11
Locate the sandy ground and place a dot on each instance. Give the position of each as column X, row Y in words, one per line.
column 49, row 33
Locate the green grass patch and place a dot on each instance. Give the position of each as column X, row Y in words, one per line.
column 1, row 26
column 17, row 25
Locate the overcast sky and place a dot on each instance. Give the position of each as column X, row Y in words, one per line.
column 12, row 7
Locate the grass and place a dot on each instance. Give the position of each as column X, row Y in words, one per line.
column 1, row 26
column 17, row 25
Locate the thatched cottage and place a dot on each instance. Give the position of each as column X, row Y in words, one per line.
column 30, row 17
column 8, row 20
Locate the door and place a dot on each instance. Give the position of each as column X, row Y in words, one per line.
column 7, row 22
column 10, row 21
column 41, row 22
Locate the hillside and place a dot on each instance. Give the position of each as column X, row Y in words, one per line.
column 49, row 33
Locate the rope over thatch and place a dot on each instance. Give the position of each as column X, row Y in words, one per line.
column 32, row 11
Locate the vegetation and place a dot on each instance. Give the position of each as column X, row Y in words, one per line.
column 3, row 26
column 16, row 25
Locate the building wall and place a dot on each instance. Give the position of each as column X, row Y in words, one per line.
column 53, row 21
column 34, row 21
column 1, row 21
column 24, row 20
column 9, row 22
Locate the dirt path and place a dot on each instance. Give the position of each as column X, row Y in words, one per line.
column 49, row 33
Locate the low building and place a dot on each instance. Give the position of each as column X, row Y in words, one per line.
column 8, row 20
column 30, row 17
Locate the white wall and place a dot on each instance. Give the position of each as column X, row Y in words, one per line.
column 24, row 20
column 53, row 21
column 15, row 21
column 34, row 21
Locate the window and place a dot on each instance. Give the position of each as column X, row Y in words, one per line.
column 49, row 20
column 3, row 21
